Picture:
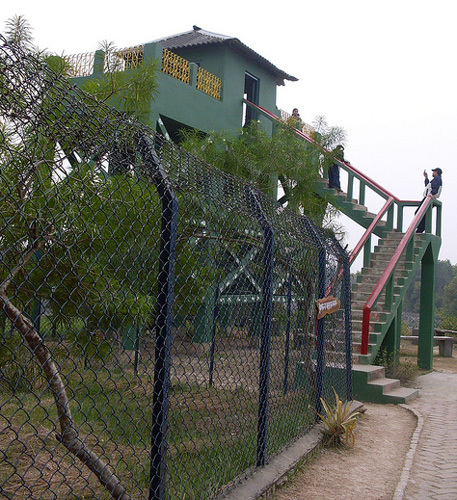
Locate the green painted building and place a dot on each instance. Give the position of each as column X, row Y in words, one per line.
column 203, row 79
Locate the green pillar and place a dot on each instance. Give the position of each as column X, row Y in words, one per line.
column 427, row 310
column 202, row 322
column 256, row 320
column 99, row 62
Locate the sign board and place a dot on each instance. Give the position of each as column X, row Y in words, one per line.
column 326, row 306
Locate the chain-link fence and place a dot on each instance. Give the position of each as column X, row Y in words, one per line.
column 158, row 328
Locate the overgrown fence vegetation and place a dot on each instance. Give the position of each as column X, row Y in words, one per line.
column 158, row 330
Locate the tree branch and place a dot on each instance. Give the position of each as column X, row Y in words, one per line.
column 68, row 436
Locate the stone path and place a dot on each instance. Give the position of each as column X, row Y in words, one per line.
column 432, row 473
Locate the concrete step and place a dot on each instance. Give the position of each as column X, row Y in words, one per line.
column 371, row 385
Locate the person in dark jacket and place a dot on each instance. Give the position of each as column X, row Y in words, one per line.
column 334, row 169
column 433, row 188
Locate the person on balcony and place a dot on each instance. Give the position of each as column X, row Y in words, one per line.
column 432, row 187
column 334, row 169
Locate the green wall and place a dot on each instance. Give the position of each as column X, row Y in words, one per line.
column 179, row 103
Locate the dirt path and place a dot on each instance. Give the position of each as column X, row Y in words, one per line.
column 372, row 468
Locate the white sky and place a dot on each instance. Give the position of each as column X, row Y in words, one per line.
column 385, row 71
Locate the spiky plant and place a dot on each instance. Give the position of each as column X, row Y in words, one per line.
column 339, row 422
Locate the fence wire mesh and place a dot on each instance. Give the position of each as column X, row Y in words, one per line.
column 158, row 328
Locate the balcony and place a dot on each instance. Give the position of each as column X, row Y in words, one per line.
column 84, row 65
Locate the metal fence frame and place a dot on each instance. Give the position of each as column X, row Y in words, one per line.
column 35, row 99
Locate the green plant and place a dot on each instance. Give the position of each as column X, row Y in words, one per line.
column 405, row 330
column 395, row 367
column 448, row 321
column 339, row 422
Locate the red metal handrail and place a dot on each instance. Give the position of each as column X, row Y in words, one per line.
column 360, row 244
column 386, row 274
column 369, row 230
column 347, row 166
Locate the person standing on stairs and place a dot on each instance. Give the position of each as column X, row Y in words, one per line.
column 297, row 119
column 432, row 187
column 334, row 169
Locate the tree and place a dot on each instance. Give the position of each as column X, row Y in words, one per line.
column 69, row 229
column 445, row 273
column 263, row 161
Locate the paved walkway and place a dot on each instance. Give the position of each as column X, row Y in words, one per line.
column 431, row 468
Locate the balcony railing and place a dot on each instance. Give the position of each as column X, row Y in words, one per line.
column 125, row 59
column 175, row 66
column 80, row 64
column 208, row 83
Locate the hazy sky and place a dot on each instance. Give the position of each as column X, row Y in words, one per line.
column 384, row 71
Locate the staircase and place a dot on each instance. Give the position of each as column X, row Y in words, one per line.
column 386, row 274
column 370, row 382
column 369, row 379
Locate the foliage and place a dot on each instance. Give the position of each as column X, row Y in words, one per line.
column 446, row 321
column 339, row 422
column 18, row 371
column 446, row 292
column 450, row 297
column 328, row 136
column 405, row 371
column 263, row 160
column 128, row 91
column 19, row 31
column 405, row 330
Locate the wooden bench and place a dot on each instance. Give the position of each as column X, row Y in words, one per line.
column 445, row 344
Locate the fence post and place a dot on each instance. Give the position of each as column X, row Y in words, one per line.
column 213, row 334
column 320, row 351
column 347, row 325
column 265, row 332
column 320, row 348
column 286, row 354
column 163, row 323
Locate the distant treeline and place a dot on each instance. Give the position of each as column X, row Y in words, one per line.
column 446, row 290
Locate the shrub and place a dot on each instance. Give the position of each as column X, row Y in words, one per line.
column 339, row 422
column 395, row 367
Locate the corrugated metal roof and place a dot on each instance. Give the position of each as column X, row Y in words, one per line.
column 201, row 37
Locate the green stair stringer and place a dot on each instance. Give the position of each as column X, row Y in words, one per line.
column 358, row 213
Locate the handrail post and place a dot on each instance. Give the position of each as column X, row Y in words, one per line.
column 367, row 252
column 365, row 329
column 399, row 217
column 409, row 257
column 362, row 192
column 428, row 219
column 390, row 292
column 390, row 218
column 438, row 219
column 350, row 189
